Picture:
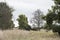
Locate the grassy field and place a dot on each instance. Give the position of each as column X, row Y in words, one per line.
column 28, row 35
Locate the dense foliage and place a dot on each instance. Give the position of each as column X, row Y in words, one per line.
column 23, row 22
column 53, row 18
column 5, row 16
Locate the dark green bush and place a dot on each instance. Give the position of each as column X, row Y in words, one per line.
column 56, row 28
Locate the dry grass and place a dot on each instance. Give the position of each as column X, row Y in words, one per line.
column 27, row 35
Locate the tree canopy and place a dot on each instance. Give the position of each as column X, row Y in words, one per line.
column 37, row 20
column 23, row 22
column 53, row 15
column 5, row 16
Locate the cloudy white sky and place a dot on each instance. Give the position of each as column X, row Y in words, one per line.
column 27, row 7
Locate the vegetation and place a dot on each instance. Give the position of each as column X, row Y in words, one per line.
column 53, row 16
column 37, row 19
column 52, row 23
column 23, row 22
column 28, row 35
column 5, row 16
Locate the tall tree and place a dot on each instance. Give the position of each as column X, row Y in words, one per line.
column 23, row 22
column 5, row 16
column 37, row 19
column 57, row 8
column 54, row 15
column 50, row 17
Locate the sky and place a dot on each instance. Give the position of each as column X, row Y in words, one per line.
column 27, row 7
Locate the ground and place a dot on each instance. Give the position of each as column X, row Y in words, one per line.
column 28, row 35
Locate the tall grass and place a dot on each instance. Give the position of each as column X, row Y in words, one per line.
column 27, row 35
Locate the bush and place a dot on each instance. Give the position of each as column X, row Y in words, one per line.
column 56, row 28
column 28, row 28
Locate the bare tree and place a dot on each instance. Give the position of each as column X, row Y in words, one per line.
column 37, row 20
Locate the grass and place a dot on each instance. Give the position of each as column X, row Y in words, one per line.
column 27, row 35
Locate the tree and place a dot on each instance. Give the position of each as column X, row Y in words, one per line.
column 23, row 22
column 37, row 19
column 11, row 24
column 57, row 2
column 5, row 16
column 57, row 7
column 50, row 17
column 54, row 15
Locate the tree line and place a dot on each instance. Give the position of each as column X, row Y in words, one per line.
column 52, row 18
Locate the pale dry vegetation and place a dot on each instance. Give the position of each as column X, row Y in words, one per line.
column 28, row 35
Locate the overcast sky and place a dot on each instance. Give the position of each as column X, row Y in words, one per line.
column 27, row 7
